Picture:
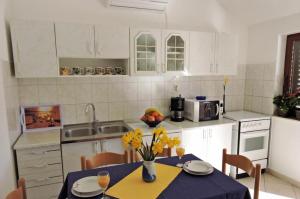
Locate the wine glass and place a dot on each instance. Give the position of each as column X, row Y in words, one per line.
column 180, row 152
column 103, row 181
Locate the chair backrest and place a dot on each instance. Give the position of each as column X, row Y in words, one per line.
column 102, row 159
column 245, row 164
column 135, row 157
column 20, row 192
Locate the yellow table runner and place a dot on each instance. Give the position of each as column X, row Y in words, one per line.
column 133, row 186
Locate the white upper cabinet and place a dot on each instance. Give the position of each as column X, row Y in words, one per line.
column 75, row 40
column 145, row 51
column 112, row 42
column 201, row 53
column 226, row 54
column 175, row 51
column 34, row 49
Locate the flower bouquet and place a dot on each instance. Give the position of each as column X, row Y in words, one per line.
column 148, row 152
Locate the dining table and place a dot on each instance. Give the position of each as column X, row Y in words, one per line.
column 213, row 186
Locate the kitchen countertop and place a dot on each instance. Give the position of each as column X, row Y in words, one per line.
column 53, row 137
column 148, row 131
column 38, row 139
column 187, row 124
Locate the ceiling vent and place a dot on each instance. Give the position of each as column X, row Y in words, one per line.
column 157, row 5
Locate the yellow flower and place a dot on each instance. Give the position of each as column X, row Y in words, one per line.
column 126, row 138
column 176, row 141
column 157, row 148
column 138, row 133
column 164, row 139
column 226, row 80
column 159, row 131
column 136, row 143
column 171, row 143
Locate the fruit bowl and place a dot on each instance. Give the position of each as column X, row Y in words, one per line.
column 152, row 117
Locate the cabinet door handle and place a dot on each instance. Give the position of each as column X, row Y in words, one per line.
column 217, row 67
column 210, row 133
column 97, row 48
column 38, row 152
column 39, row 166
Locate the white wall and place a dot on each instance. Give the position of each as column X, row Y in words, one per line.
column 263, row 38
column 7, row 173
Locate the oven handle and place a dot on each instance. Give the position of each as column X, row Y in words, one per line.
column 254, row 134
column 217, row 113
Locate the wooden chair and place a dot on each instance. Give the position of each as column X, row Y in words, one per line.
column 20, row 192
column 135, row 157
column 245, row 164
column 102, row 159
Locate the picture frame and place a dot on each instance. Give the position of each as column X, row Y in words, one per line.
column 41, row 118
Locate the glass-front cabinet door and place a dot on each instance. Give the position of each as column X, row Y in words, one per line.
column 145, row 51
column 175, row 51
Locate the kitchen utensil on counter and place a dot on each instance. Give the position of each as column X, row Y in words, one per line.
column 89, row 70
column 99, row 70
column 76, row 70
column 108, row 70
column 177, row 108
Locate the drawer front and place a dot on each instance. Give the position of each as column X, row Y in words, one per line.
column 44, row 192
column 38, row 153
column 50, row 177
column 38, row 163
column 40, row 168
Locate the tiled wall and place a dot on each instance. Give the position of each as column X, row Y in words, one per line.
column 259, row 88
column 124, row 97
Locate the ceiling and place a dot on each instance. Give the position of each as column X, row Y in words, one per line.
column 257, row 11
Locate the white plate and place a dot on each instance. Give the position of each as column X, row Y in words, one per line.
column 86, row 195
column 197, row 167
column 86, row 185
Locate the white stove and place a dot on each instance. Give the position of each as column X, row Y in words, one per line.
column 250, row 138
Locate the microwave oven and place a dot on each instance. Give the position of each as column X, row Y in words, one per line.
column 202, row 110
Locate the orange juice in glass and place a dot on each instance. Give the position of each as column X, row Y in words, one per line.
column 103, row 181
column 180, row 152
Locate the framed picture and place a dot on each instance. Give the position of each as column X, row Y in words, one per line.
column 34, row 118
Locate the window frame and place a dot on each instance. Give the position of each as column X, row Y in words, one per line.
column 288, row 74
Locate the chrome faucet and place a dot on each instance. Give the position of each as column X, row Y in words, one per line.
column 94, row 110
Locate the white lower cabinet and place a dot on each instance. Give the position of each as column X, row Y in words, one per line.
column 207, row 143
column 41, row 168
column 72, row 152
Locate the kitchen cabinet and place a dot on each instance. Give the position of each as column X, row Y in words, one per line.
column 284, row 147
column 34, row 49
column 201, row 61
column 72, row 152
column 213, row 54
column 148, row 139
column 175, row 51
column 112, row 42
column 226, row 54
column 145, row 51
column 41, row 167
column 114, row 145
column 75, row 40
column 207, row 143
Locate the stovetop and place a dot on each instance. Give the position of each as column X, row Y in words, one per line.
column 246, row 116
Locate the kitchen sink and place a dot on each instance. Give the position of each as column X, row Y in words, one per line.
column 80, row 132
column 93, row 130
column 113, row 129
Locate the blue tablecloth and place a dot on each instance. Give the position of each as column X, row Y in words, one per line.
column 185, row 186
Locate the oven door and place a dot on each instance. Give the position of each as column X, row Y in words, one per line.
column 254, row 145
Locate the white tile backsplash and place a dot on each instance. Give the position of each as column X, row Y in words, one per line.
column 259, row 88
column 126, row 97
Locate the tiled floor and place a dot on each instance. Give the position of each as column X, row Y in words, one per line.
column 272, row 187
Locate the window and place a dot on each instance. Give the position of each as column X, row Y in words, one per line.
column 145, row 53
column 292, row 64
